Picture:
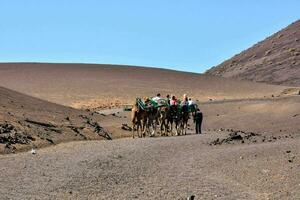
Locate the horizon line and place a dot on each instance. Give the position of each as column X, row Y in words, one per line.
column 109, row 64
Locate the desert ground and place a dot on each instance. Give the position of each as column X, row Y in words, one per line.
column 72, row 115
column 87, row 85
column 155, row 168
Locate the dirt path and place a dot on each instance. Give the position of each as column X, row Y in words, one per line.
column 151, row 168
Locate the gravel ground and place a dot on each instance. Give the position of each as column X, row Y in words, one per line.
column 154, row 168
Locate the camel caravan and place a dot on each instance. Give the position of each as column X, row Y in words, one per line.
column 170, row 115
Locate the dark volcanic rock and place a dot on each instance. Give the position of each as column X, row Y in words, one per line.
column 237, row 136
column 10, row 135
column 126, row 127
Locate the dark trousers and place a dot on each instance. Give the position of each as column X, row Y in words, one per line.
column 198, row 123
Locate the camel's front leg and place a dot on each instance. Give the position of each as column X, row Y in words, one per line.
column 133, row 126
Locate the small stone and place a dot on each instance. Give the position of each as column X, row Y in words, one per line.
column 33, row 151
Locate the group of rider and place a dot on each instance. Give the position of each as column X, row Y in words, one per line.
column 187, row 104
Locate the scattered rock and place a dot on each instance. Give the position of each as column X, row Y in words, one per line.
column 236, row 136
column 126, row 127
column 11, row 135
column 33, row 151
column 97, row 128
column 50, row 140
column 40, row 123
column 192, row 197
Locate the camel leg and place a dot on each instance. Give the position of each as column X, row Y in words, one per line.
column 176, row 129
column 145, row 129
column 133, row 126
column 154, row 128
column 161, row 129
column 167, row 129
column 138, row 130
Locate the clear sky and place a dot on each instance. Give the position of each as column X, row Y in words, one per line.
column 189, row 35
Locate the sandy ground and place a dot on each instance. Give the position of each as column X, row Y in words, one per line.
column 86, row 85
column 154, row 168
column 263, row 164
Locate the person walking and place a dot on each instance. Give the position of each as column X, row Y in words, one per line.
column 198, row 121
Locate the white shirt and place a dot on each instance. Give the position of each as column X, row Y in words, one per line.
column 156, row 99
column 191, row 102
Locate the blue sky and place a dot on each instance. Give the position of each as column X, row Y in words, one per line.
column 191, row 35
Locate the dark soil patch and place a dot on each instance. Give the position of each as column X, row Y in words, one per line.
column 9, row 135
column 237, row 136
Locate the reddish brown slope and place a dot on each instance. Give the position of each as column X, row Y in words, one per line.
column 275, row 60
column 26, row 122
column 94, row 85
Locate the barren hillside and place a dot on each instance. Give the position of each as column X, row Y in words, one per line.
column 80, row 85
column 275, row 60
column 27, row 122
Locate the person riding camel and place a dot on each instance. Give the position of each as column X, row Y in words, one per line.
column 147, row 103
column 173, row 106
column 184, row 100
column 157, row 99
column 191, row 102
column 168, row 99
column 192, row 105
column 185, row 104
column 173, row 101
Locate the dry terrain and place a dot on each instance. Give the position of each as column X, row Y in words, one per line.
column 275, row 60
column 82, row 85
column 155, row 168
column 27, row 122
column 249, row 149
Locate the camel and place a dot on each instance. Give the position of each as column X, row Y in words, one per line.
column 173, row 117
column 150, row 121
column 138, row 116
column 163, row 115
column 143, row 120
column 185, row 115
